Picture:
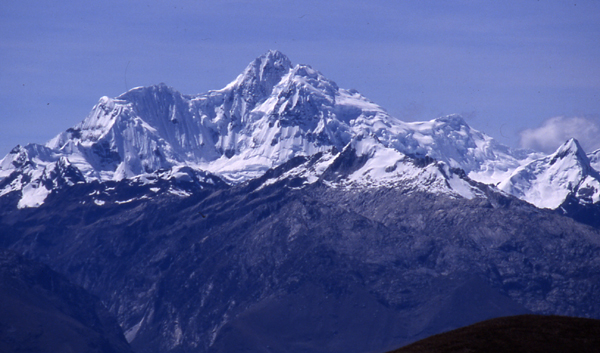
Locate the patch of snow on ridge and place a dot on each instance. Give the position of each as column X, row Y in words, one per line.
column 144, row 197
column 180, row 193
column 588, row 191
column 34, row 195
column 132, row 332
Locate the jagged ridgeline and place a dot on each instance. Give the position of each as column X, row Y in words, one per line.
column 283, row 213
column 273, row 112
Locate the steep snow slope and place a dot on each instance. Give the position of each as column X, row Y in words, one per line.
column 594, row 158
column 548, row 181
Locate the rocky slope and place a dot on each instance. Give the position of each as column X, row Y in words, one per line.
column 40, row 311
column 271, row 266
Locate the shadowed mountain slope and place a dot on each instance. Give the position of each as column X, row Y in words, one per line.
column 303, row 269
column 40, row 311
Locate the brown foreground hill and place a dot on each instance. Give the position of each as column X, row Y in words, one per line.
column 515, row 334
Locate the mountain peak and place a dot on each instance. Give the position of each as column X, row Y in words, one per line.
column 268, row 67
column 570, row 148
column 261, row 75
column 275, row 56
column 548, row 181
column 454, row 120
column 271, row 113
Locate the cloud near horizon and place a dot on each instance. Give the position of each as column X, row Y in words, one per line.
column 555, row 131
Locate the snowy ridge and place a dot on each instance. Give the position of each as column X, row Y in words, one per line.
column 272, row 112
column 366, row 164
column 548, row 181
column 39, row 175
column 594, row 158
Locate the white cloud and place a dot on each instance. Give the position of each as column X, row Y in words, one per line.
column 555, row 131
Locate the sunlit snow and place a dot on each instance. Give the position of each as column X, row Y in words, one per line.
column 272, row 112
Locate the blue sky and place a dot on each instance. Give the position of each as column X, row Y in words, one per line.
column 525, row 72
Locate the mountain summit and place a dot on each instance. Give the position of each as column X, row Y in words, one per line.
column 260, row 76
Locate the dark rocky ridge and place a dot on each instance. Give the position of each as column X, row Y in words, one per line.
column 278, row 268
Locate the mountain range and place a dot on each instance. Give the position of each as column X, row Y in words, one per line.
column 283, row 213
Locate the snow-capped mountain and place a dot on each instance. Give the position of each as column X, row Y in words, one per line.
column 548, row 181
column 285, row 214
column 269, row 114
column 273, row 112
column 43, row 312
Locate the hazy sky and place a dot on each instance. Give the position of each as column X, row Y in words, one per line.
column 525, row 72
